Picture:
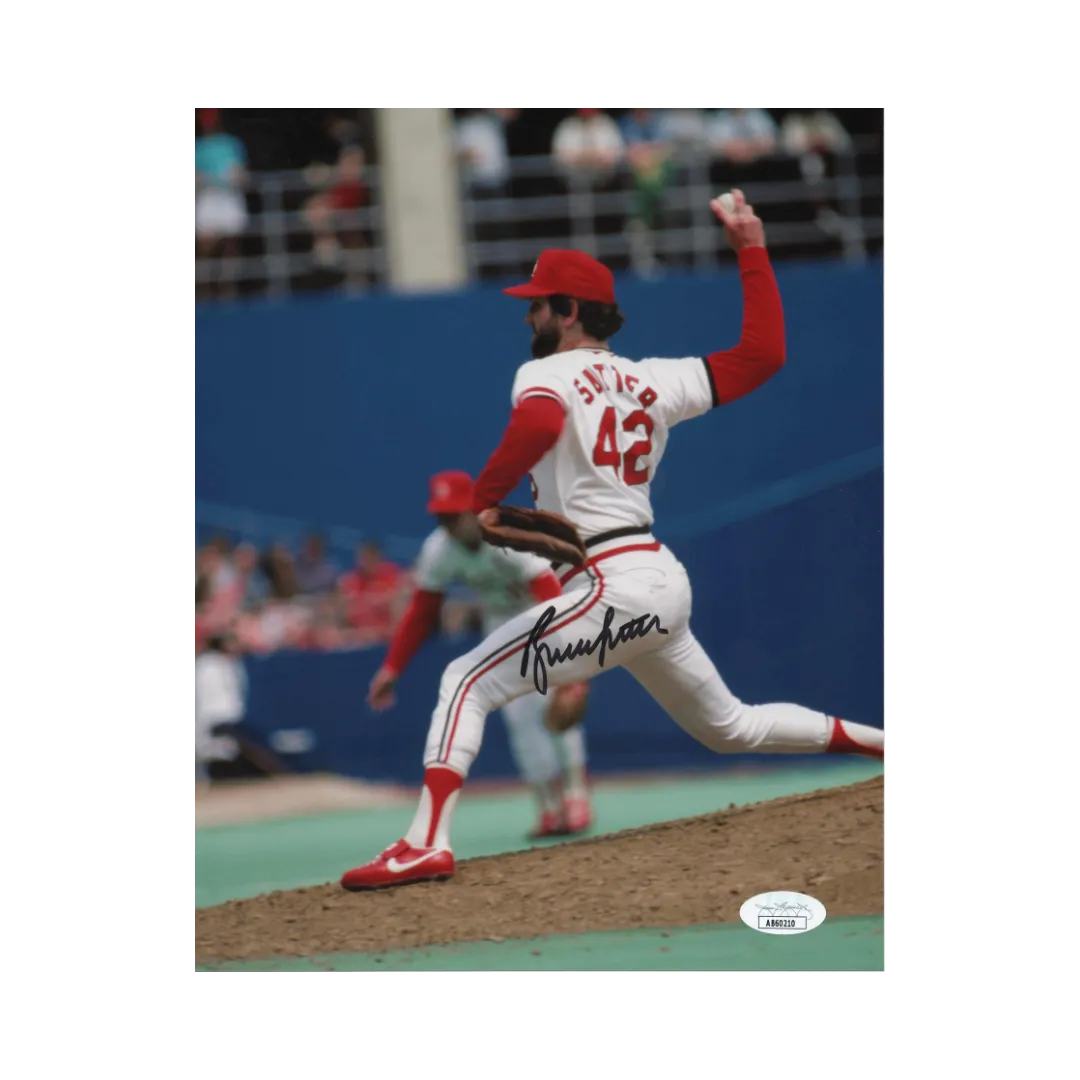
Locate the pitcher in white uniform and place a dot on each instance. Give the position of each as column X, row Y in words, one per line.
column 592, row 427
column 506, row 583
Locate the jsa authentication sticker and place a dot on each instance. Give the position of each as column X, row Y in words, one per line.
column 782, row 913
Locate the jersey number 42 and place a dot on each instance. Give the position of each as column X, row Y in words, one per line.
column 606, row 450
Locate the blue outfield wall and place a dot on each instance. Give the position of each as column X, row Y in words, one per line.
column 788, row 604
column 336, row 412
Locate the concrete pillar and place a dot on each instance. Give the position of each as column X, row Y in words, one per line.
column 421, row 200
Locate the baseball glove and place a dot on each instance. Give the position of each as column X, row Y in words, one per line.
column 539, row 531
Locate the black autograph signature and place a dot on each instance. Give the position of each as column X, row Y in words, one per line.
column 543, row 654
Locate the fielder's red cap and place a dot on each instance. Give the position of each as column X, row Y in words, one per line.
column 572, row 273
column 451, row 492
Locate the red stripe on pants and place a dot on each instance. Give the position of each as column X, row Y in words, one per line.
column 519, row 648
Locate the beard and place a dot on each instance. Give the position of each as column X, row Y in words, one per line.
column 545, row 343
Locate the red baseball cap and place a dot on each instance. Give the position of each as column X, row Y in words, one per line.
column 572, row 273
column 451, row 492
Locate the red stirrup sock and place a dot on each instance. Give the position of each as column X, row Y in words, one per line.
column 431, row 826
column 849, row 738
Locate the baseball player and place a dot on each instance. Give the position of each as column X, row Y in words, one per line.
column 591, row 427
column 507, row 582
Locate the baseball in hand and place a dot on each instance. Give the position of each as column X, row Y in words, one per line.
column 727, row 201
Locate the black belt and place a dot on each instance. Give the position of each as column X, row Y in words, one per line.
column 612, row 534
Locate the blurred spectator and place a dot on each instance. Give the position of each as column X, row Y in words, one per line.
column 252, row 585
column 816, row 138
column 589, row 150
column 325, row 631
column 220, row 208
column 220, row 692
column 685, row 130
column 742, row 136
column 276, row 563
column 315, row 572
column 375, row 592
column 216, row 587
column 222, row 750
column 215, row 564
column 206, row 560
column 813, row 131
column 652, row 168
column 270, row 625
column 247, row 628
column 588, row 146
column 342, row 190
column 481, row 147
column 351, row 127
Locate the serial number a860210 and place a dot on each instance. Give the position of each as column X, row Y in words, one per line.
column 779, row 924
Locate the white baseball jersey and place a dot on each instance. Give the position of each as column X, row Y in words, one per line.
column 618, row 414
column 499, row 577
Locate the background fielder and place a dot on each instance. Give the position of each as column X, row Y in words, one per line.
column 592, row 427
column 506, row 582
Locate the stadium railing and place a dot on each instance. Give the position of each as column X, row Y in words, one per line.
column 276, row 246
column 840, row 212
column 838, row 215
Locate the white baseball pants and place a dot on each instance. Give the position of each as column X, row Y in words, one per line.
column 630, row 609
column 541, row 756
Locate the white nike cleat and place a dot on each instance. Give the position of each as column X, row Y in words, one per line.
column 400, row 864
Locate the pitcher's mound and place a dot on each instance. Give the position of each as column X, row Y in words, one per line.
column 678, row 873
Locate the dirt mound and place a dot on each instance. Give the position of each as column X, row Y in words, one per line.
column 698, row 870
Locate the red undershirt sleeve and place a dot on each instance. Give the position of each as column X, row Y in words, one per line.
column 545, row 586
column 415, row 628
column 535, row 426
column 760, row 352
